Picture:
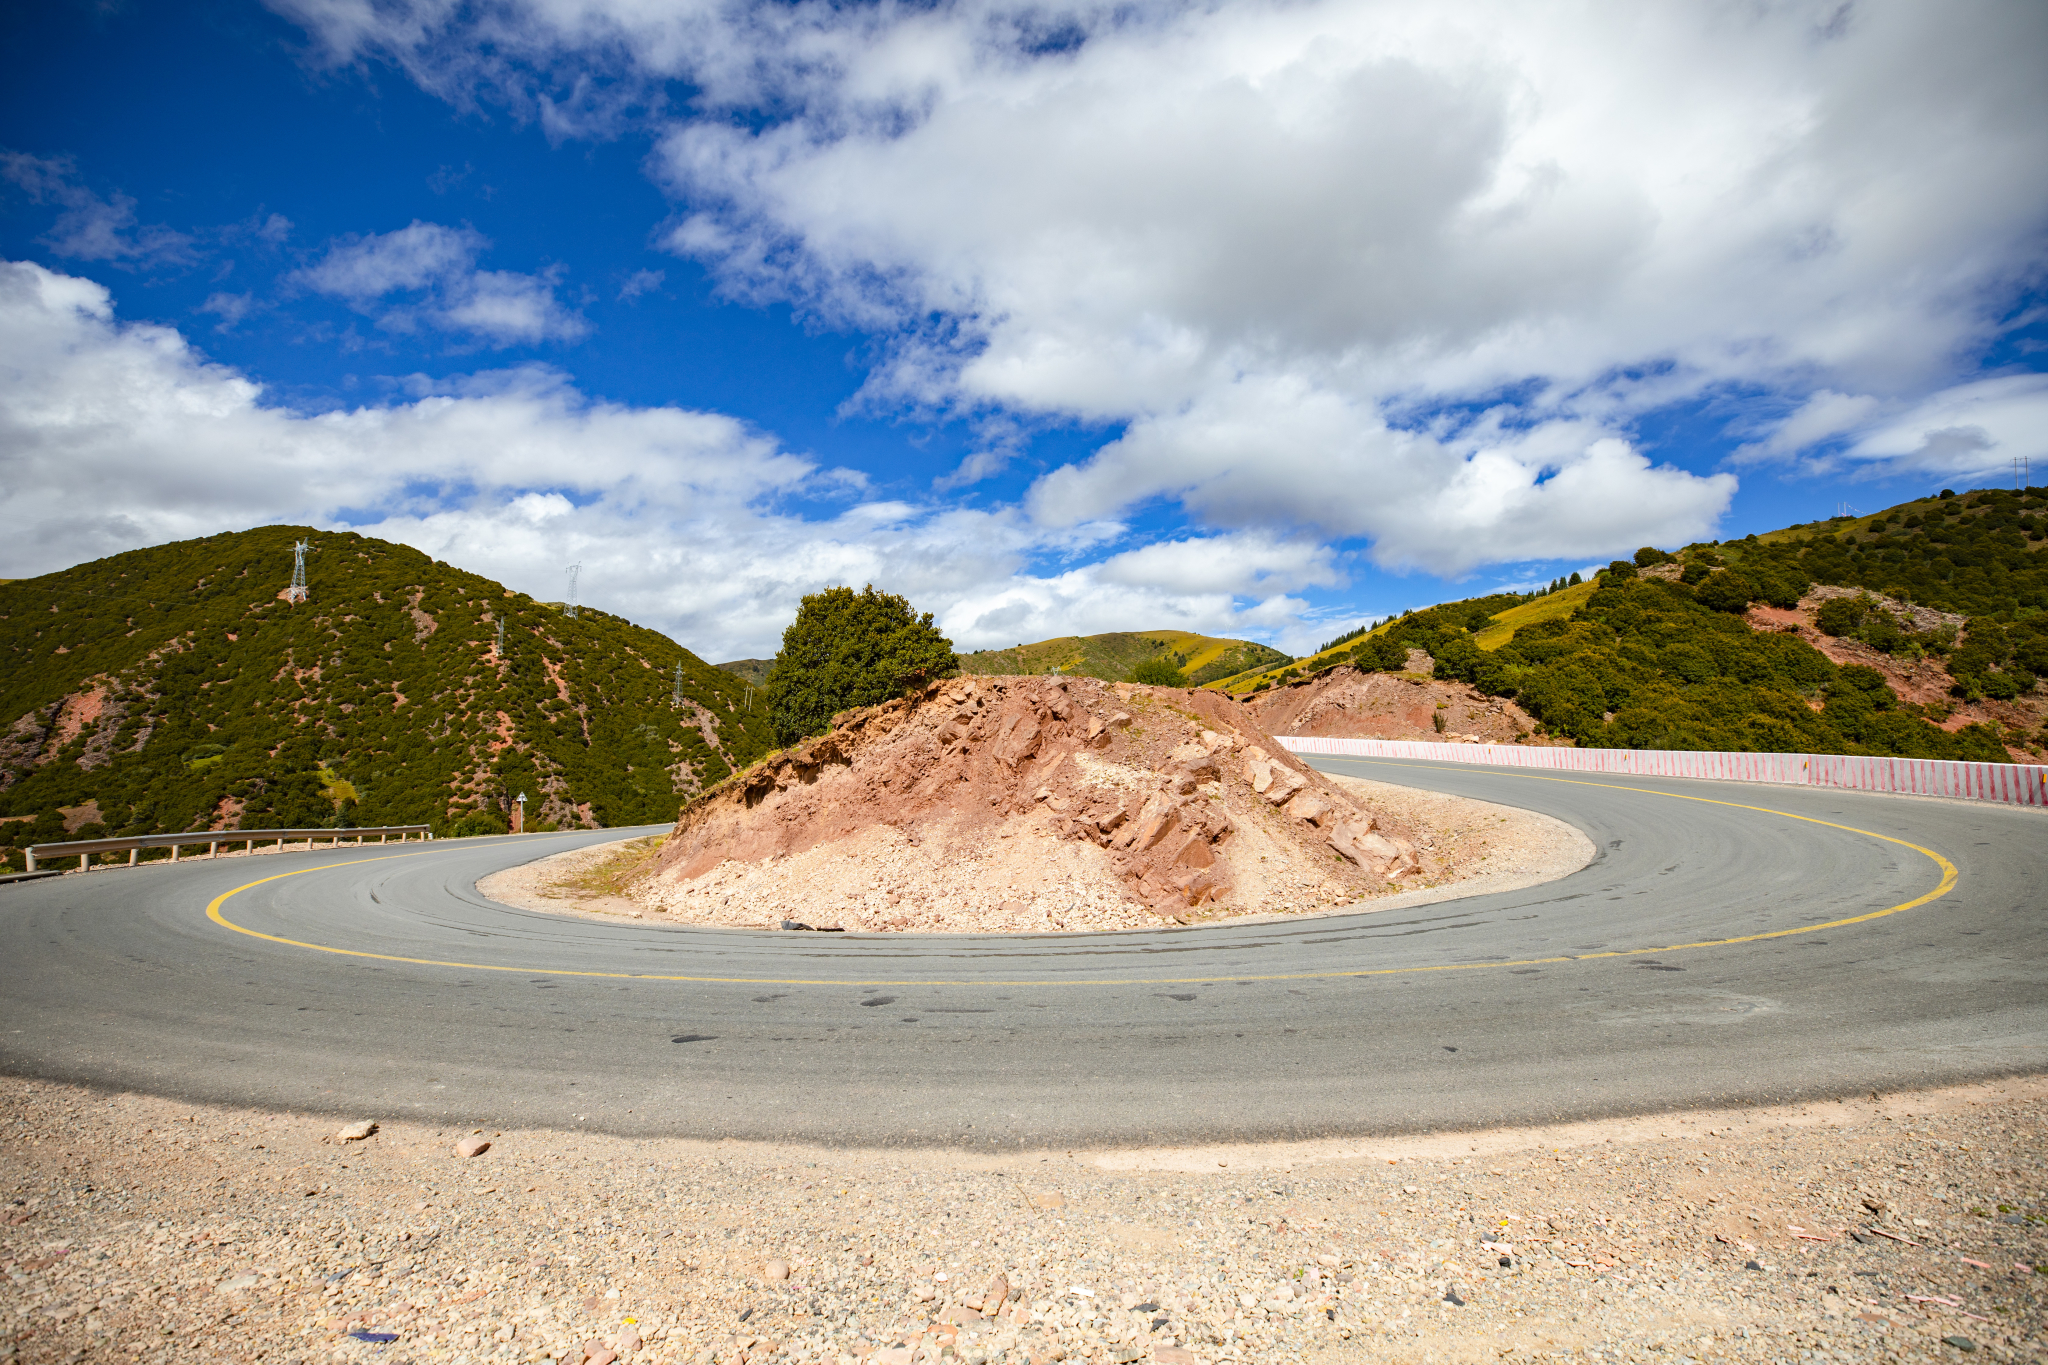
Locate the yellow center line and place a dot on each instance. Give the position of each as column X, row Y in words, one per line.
column 1947, row 884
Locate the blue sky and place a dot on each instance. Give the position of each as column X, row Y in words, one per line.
column 1245, row 318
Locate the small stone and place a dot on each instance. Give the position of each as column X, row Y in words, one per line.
column 472, row 1146
column 1173, row 1355
column 1050, row 1199
column 1451, row 1295
column 1960, row 1343
column 597, row 1353
column 237, row 1284
column 775, row 1270
column 1752, row 1265
column 356, row 1132
column 629, row 1340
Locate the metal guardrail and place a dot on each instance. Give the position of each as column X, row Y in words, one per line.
column 2012, row 784
column 84, row 849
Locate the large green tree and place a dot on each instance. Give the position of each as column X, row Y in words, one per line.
column 848, row 649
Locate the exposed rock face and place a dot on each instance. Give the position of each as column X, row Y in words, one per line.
column 1189, row 800
column 1352, row 704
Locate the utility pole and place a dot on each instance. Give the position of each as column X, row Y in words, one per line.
column 297, row 591
column 570, row 609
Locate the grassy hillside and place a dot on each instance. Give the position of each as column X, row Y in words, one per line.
column 754, row 671
column 173, row 689
column 1629, row 661
column 1203, row 658
column 1979, row 554
column 1557, row 606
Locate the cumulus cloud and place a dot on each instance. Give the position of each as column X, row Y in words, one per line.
column 114, row 435
column 1971, row 430
column 88, row 226
column 1332, row 222
column 432, row 269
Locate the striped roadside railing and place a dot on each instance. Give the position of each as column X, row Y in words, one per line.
column 2012, row 784
column 86, row 849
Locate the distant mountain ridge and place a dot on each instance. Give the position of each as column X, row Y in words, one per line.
column 173, row 688
column 1113, row 656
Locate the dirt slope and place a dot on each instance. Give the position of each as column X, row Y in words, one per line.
column 1351, row 704
column 1175, row 800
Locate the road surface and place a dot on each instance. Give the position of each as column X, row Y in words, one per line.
column 1730, row 943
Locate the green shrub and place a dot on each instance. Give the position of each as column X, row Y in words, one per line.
column 479, row 822
column 1726, row 591
column 846, row 650
column 1159, row 673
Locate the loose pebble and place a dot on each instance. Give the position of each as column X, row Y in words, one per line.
column 160, row 1233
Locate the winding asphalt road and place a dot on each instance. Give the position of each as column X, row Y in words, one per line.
column 1730, row 944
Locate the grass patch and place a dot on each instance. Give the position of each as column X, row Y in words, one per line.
column 1553, row 607
column 611, row 874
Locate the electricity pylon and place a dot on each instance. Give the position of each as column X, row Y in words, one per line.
column 569, row 610
column 297, row 591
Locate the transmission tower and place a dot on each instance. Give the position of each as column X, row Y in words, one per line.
column 677, row 699
column 297, row 591
column 2021, row 472
column 498, row 645
column 569, row 610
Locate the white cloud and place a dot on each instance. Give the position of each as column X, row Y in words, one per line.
column 1970, row 430
column 88, row 227
column 1824, row 415
column 1313, row 219
column 641, row 282
column 229, row 308
column 435, row 268
column 112, row 434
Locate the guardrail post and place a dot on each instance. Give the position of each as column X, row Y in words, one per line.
column 174, row 852
column 132, row 854
column 31, row 860
column 213, row 849
column 81, row 861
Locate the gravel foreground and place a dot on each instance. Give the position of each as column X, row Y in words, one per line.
column 1911, row 1227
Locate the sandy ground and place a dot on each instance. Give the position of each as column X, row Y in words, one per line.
column 1911, row 1227
column 1028, row 880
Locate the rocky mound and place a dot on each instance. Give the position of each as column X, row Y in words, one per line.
column 1171, row 800
column 1352, row 704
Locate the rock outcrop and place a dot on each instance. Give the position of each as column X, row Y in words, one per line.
column 1189, row 801
column 1349, row 703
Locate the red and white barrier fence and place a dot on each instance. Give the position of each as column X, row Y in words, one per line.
column 2013, row 784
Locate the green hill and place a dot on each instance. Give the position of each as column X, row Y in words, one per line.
column 755, row 671
column 1203, row 658
column 1635, row 661
column 172, row 689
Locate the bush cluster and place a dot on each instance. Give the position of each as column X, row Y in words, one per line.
column 1650, row 664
